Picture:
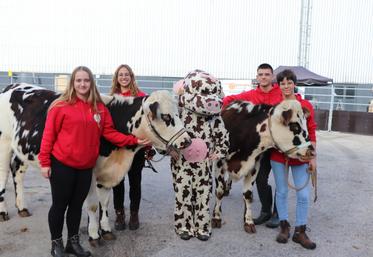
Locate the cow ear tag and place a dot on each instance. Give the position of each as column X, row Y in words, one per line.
column 285, row 105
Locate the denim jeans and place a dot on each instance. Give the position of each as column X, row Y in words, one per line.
column 300, row 176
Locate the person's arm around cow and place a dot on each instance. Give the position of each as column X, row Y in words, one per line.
column 69, row 151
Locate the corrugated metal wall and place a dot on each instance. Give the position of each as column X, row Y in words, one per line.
column 171, row 37
column 342, row 40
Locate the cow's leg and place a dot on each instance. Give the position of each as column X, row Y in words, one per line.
column 219, row 193
column 5, row 154
column 18, row 169
column 183, row 212
column 202, row 188
column 104, row 197
column 91, row 203
column 248, row 198
column 228, row 186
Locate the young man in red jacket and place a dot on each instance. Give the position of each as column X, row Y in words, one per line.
column 265, row 93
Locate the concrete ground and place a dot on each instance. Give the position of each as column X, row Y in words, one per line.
column 340, row 221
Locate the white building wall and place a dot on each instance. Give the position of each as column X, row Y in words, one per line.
column 171, row 37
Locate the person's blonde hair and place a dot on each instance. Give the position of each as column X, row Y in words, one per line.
column 69, row 95
column 115, row 86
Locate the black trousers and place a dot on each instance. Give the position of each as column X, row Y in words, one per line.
column 264, row 189
column 134, row 177
column 69, row 187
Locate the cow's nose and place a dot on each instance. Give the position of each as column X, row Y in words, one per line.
column 213, row 106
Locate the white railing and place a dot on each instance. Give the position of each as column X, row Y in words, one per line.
column 334, row 97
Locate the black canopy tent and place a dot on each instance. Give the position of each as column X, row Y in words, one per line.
column 305, row 77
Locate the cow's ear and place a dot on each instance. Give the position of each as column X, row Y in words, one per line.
column 181, row 101
column 286, row 116
column 179, row 87
column 306, row 112
column 154, row 109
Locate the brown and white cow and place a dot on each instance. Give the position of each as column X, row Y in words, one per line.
column 23, row 113
column 252, row 130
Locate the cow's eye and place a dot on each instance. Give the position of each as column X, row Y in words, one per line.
column 295, row 127
column 166, row 117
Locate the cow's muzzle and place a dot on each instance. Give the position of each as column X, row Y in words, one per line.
column 310, row 154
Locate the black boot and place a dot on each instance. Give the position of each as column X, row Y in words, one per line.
column 57, row 248
column 134, row 220
column 73, row 247
column 263, row 217
column 120, row 223
column 274, row 222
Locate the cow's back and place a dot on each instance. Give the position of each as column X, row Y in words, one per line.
column 241, row 119
column 23, row 112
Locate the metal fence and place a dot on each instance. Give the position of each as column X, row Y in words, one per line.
column 327, row 100
column 103, row 82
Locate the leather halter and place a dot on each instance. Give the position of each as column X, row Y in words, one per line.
column 167, row 143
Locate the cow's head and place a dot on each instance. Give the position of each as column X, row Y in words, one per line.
column 162, row 124
column 288, row 126
column 200, row 93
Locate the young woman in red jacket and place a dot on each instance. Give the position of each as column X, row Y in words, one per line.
column 300, row 171
column 124, row 83
column 69, row 150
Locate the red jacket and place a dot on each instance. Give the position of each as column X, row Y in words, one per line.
column 128, row 93
column 311, row 126
column 257, row 96
column 72, row 134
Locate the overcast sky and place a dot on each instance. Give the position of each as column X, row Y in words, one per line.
column 171, row 37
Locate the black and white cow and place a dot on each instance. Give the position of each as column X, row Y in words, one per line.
column 254, row 129
column 23, row 113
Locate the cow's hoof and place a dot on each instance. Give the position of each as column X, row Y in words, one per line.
column 4, row 216
column 24, row 213
column 108, row 235
column 216, row 223
column 94, row 242
column 249, row 228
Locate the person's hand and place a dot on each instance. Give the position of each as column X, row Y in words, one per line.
column 213, row 157
column 144, row 141
column 312, row 166
column 46, row 172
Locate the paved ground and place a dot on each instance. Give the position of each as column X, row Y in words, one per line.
column 340, row 221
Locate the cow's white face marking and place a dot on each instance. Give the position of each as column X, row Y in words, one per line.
column 294, row 132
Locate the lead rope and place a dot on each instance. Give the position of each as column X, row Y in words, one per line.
column 313, row 180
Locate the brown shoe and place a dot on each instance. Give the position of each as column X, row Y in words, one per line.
column 134, row 220
column 284, row 234
column 301, row 238
column 120, row 223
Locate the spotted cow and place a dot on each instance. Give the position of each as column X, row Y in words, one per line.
column 23, row 113
column 200, row 103
column 253, row 129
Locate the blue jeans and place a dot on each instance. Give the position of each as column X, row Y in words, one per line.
column 300, row 176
